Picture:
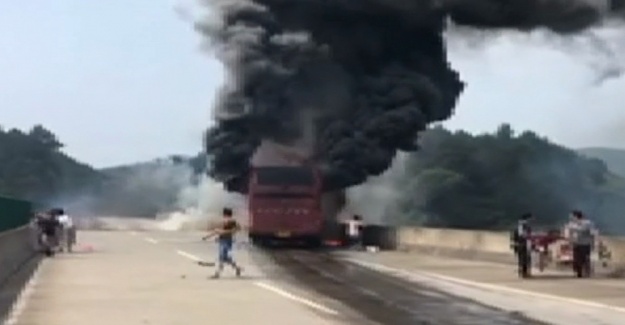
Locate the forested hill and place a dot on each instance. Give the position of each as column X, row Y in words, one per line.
column 614, row 158
column 487, row 181
column 33, row 167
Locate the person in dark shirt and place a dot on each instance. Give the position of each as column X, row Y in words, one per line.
column 225, row 239
column 521, row 244
column 48, row 227
column 48, row 224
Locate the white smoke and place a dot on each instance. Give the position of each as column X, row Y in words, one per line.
column 177, row 199
column 201, row 203
column 375, row 199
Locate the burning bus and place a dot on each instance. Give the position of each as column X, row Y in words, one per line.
column 285, row 203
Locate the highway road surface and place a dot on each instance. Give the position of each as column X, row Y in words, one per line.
column 152, row 277
column 126, row 278
column 553, row 297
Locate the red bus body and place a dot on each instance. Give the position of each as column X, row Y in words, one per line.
column 285, row 203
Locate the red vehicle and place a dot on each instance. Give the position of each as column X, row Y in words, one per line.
column 285, row 204
column 541, row 243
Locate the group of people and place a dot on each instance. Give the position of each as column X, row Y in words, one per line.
column 580, row 235
column 54, row 230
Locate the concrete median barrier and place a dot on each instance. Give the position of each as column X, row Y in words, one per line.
column 470, row 244
column 18, row 260
column 482, row 245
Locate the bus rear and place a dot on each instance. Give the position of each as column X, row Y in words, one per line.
column 285, row 204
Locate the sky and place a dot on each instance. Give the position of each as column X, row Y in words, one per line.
column 118, row 81
column 538, row 81
column 121, row 81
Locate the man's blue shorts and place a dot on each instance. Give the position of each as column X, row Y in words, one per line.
column 225, row 246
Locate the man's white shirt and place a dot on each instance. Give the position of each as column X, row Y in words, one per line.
column 353, row 227
column 66, row 221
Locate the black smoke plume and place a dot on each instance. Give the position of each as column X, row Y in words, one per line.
column 369, row 75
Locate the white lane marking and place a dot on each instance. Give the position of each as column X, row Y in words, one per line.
column 151, row 240
column 22, row 300
column 189, row 256
column 296, row 298
column 535, row 269
column 487, row 286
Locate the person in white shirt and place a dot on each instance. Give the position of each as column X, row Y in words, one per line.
column 68, row 232
column 583, row 236
column 354, row 231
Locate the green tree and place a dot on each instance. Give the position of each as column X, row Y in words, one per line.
column 45, row 137
column 487, row 181
column 33, row 167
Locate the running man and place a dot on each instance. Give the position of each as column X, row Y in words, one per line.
column 225, row 239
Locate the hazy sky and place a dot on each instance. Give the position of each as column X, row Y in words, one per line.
column 117, row 80
column 554, row 86
column 124, row 80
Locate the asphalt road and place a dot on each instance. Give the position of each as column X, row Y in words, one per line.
column 383, row 299
column 553, row 297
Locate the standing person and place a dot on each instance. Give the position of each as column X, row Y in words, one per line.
column 225, row 239
column 521, row 244
column 68, row 232
column 582, row 234
column 354, row 231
